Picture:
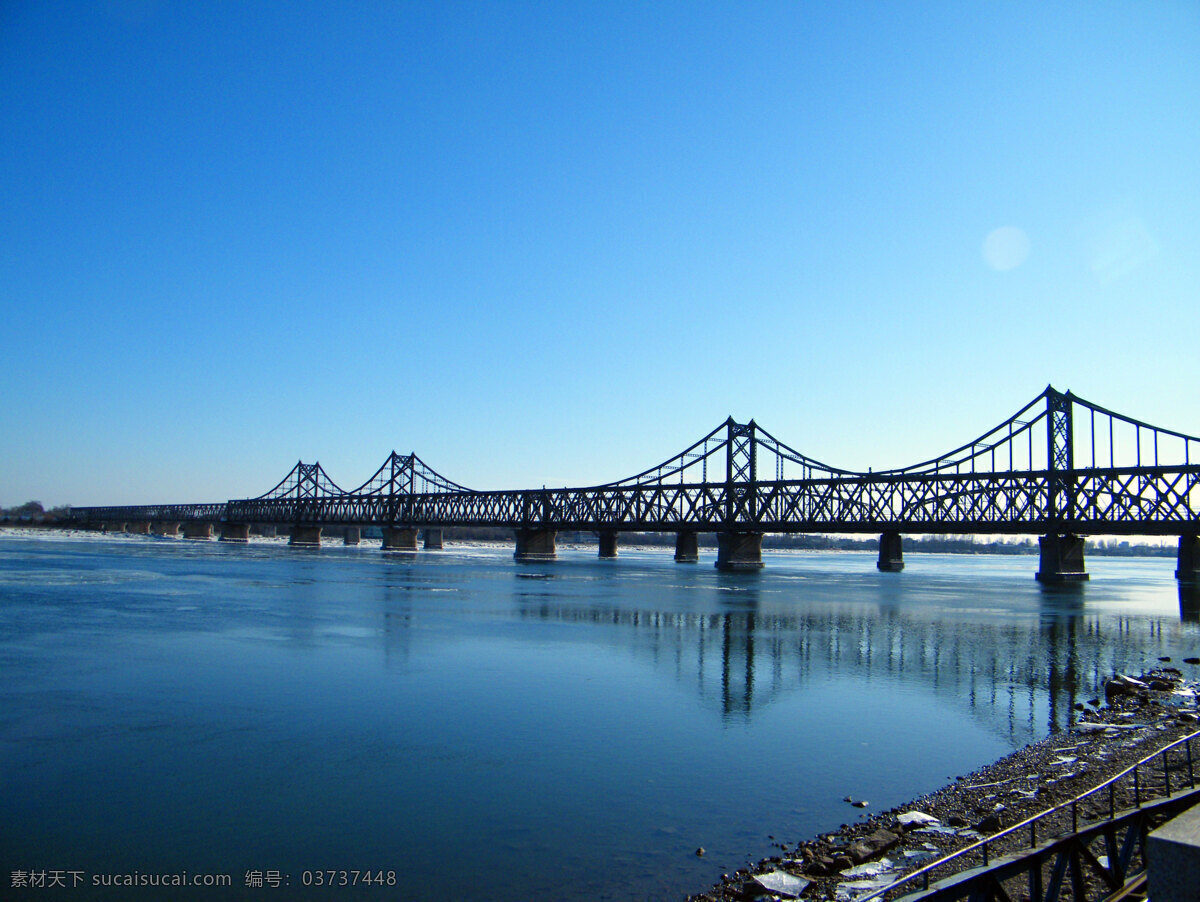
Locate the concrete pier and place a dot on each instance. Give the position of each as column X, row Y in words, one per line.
column 139, row 527
column 1173, row 859
column 1061, row 559
column 399, row 538
column 305, row 536
column 1188, row 564
column 195, row 529
column 739, row 551
column 891, row 553
column 608, row 543
column 165, row 528
column 352, row 535
column 433, row 538
column 535, row 545
column 235, row 532
column 687, row 547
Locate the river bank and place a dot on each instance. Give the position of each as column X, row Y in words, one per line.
column 1137, row 717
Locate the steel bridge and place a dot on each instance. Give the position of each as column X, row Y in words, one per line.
column 1060, row 468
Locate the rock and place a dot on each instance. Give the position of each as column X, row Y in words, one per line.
column 873, row 844
column 859, row 804
column 848, row 799
column 1094, row 702
column 957, row 820
column 1191, row 660
column 823, row 864
column 1160, row 686
column 700, row 852
column 1121, row 685
column 915, row 819
column 841, row 862
column 1187, row 717
column 1167, row 660
column 988, row 825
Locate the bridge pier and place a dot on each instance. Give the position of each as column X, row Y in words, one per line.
column 891, row 553
column 399, row 538
column 739, row 551
column 608, row 543
column 195, row 529
column 166, row 528
column 687, row 547
column 235, row 532
column 1188, row 564
column 352, row 535
column 433, row 538
column 535, row 545
column 1061, row 559
column 305, row 536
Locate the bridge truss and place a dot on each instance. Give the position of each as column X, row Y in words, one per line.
column 1060, row 464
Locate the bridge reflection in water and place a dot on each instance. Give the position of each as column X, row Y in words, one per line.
column 1020, row 679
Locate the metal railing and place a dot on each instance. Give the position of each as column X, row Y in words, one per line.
column 1140, row 794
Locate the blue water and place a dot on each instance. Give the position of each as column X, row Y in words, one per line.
column 489, row 730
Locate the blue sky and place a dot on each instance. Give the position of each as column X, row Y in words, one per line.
column 554, row 243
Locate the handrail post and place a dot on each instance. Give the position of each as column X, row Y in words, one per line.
column 1166, row 774
column 1074, row 816
column 1191, row 776
column 1137, row 793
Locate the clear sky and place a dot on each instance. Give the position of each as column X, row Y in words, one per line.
column 554, row 243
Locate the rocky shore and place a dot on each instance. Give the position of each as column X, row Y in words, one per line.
column 1137, row 716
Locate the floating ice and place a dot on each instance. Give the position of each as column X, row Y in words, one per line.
column 920, row 818
column 782, row 883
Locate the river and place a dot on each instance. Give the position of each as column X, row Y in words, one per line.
column 491, row 730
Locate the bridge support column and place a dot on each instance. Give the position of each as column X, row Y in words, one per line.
column 139, row 527
column 433, row 538
column 1188, row 566
column 352, row 535
column 166, row 529
column 399, row 538
column 739, row 550
column 305, row 536
column 235, row 532
column 687, row 547
column 891, row 553
column 194, row 529
column 535, row 545
column 1061, row 559
column 608, row 543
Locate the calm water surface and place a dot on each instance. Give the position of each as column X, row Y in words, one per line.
column 488, row 730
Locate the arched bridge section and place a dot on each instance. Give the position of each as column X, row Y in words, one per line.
column 1061, row 467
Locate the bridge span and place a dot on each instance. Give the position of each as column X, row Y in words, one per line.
column 1060, row 468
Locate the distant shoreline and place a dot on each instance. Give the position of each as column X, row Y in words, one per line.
column 918, row 544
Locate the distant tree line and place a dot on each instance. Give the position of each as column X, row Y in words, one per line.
column 33, row 512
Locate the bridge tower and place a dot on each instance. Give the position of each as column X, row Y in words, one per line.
column 1061, row 552
column 739, row 544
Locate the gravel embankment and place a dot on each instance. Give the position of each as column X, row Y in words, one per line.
column 1110, row 734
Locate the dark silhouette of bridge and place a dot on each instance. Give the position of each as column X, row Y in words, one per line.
column 1060, row 468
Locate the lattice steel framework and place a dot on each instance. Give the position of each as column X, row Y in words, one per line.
column 1060, row 464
